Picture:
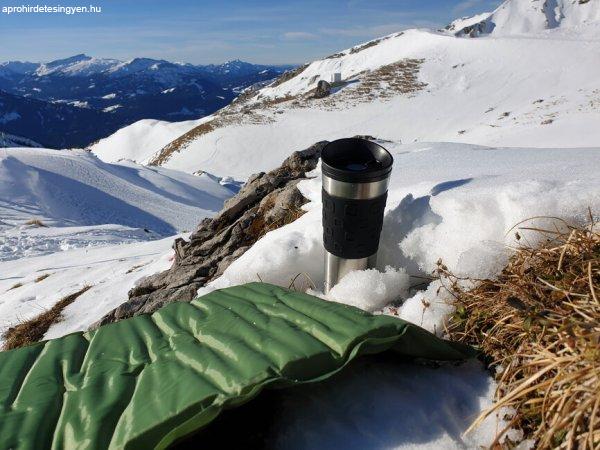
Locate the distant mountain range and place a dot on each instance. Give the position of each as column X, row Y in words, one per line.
column 75, row 101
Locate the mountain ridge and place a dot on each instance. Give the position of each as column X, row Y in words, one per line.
column 410, row 86
column 118, row 92
column 522, row 17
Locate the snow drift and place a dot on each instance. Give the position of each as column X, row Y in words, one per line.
column 70, row 188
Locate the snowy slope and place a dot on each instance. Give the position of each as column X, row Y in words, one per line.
column 110, row 270
column 526, row 17
column 140, row 140
column 94, row 203
column 451, row 201
column 530, row 91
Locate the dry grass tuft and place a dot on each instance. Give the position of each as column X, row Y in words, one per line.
column 33, row 330
column 36, row 223
column 42, row 277
column 261, row 226
column 539, row 323
column 15, row 286
column 164, row 154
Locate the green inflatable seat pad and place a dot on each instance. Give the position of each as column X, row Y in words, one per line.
column 151, row 380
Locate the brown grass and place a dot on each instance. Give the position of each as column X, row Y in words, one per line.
column 360, row 48
column 33, row 330
column 36, row 222
column 259, row 226
column 15, row 286
column 42, row 277
column 399, row 78
column 182, row 141
column 286, row 76
column 539, row 323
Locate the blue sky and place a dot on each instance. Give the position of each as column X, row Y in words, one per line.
column 199, row 31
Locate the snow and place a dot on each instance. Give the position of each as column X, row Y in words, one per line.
column 527, row 17
column 78, row 65
column 30, row 240
column 471, row 83
column 79, row 104
column 74, row 188
column 388, row 404
column 102, row 225
column 111, row 108
column 463, row 22
column 450, row 201
column 111, row 271
column 140, row 140
column 371, row 289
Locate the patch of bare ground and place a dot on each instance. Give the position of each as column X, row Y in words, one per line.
column 399, row 78
column 36, row 223
column 182, row 141
column 335, row 56
column 33, row 330
column 539, row 326
column 365, row 46
column 15, row 286
column 286, row 76
column 262, row 222
column 42, row 277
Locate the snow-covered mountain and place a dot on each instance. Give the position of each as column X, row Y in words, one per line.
column 121, row 92
column 78, row 65
column 526, row 17
column 417, row 85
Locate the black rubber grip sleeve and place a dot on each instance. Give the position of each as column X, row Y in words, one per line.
column 351, row 228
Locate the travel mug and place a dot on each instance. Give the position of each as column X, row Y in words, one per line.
column 355, row 182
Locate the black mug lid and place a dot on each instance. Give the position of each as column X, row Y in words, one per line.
column 355, row 160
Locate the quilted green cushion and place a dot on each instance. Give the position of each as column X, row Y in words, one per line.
column 147, row 381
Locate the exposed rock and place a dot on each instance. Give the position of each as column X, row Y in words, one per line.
column 362, row 47
column 475, row 30
column 267, row 201
column 322, row 90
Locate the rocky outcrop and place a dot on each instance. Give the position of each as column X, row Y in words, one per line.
column 267, row 201
column 323, row 89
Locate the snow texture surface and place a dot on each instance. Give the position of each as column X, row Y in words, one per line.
column 446, row 201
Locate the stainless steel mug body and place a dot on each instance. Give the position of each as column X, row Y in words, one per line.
column 355, row 182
